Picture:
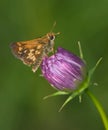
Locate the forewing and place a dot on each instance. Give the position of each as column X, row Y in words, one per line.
column 29, row 51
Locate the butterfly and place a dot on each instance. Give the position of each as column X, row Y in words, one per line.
column 33, row 51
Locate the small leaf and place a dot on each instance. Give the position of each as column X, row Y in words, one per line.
column 80, row 50
column 73, row 95
column 94, row 68
column 56, row 94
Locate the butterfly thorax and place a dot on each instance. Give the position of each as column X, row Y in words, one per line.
column 50, row 43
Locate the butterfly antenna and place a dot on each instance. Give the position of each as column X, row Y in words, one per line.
column 54, row 24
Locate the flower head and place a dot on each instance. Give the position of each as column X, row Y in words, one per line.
column 64, row 70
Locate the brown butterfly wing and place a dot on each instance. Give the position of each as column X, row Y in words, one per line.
column 30, row 52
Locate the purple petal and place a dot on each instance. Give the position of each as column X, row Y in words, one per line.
column 64, row 70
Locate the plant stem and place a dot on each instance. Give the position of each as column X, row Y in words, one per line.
column 99, row 108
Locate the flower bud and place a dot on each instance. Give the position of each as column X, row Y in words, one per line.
column 64, row 70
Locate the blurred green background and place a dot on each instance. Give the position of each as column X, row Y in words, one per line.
column 21, row 91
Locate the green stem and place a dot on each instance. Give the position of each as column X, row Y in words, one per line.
column 99, row 108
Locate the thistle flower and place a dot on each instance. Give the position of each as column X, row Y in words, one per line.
column 64, row 70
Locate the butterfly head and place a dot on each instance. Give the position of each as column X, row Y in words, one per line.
column 51, row 36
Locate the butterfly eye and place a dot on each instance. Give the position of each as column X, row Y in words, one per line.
column 52, row 37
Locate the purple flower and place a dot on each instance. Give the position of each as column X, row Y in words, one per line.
column 64, row 70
